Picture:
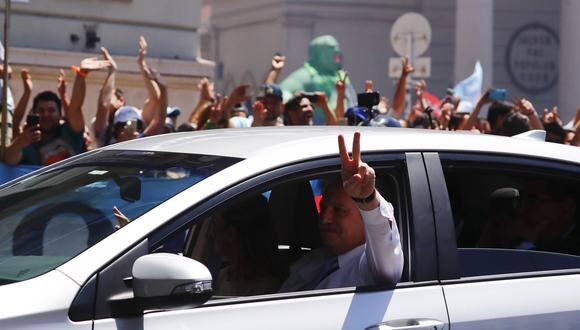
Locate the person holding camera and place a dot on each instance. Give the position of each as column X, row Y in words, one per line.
column 46, row 138
column 300, row 111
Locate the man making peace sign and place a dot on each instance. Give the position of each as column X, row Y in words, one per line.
column 359, row 232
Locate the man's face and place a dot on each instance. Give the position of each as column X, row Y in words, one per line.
column 303, row 114
column 125, row 132
column 341, row 224
column 274, row 106
column 116, row 102
column 49, row 115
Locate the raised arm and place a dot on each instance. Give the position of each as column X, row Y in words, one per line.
column 340, row 97
column 322, row 102
column 277, row 66
column 13, row 152
column 157, row 124
column 105, row 95
column 61, row 89
column 399, row 98
column 383, row 257
column 75, row 116
column 153, row 92
column 472, row 120
column 206, row 96
column 527, row 108
column 238, row 95
column 20, row 109
column 576, row 139
column 259, row 113
column 551, row 116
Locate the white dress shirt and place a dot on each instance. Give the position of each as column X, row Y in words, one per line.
column 378, row 261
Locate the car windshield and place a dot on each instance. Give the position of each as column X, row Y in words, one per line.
column 48, row 218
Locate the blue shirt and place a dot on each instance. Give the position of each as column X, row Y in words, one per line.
column 65, row 144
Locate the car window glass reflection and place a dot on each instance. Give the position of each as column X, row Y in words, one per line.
column 510, row 221
column 53, row 216
column 253, row 243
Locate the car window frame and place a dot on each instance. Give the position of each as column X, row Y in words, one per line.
column 419, row 216
column 447, row 249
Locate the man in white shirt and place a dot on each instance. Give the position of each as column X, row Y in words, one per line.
column 361, row 240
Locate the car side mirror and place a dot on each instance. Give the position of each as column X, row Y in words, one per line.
column 165, row 281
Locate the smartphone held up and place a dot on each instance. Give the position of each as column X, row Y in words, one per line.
column 498, row 94
column 32, row 120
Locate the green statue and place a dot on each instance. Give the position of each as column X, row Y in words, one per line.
column 320, row 73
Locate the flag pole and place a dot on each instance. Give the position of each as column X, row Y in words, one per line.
column 4, row 129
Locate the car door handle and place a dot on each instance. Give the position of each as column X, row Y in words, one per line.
column 414, row 324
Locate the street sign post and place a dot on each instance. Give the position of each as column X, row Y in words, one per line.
column 410, row 37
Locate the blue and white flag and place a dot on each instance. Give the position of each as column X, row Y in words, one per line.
column 469, row 90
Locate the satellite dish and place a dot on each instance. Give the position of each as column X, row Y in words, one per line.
column 418, row 27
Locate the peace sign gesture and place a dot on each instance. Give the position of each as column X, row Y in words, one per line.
column 358, row 178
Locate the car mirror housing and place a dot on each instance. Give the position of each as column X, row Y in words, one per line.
column 165, row 281
column 164, row 274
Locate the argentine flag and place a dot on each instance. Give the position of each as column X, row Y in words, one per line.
column 469, row 90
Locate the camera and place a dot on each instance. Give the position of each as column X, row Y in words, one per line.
column 131, row 126
column 312, row 97
column 368, row 100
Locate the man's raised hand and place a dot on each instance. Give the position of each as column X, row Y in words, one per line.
column 406, row 67
column 142, row 50
column 358, row 178
column 108, row 57
column 94, row 64
column 26, row 79
column 61, row 82
column 278, row 62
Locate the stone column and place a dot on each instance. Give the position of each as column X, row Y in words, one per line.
column 474, row 39
column 569, row 76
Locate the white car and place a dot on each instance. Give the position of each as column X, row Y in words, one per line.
column 488, row 226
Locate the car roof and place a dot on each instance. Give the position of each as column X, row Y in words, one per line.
column 290, row 144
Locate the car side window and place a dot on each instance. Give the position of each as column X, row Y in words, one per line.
column 513, row 219
column 251, row 243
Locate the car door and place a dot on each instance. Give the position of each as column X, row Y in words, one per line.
column 416, row 302
column 509, row 257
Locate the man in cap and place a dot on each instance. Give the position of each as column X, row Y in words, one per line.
column 171, row 119
column 128, row 120
column 239, row 118
column 267, row 111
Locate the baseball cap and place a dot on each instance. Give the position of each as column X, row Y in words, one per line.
column 270, row 90
column 126, row 113
column 355, row 115
column 169, row 124
column 173, row 111
column 240, row 108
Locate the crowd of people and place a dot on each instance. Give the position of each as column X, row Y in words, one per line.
column 55, row 128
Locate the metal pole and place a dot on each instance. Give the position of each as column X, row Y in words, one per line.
column 409, row 86
column 4, row 130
